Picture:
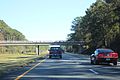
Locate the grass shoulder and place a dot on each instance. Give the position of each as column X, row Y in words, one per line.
column 10, row 61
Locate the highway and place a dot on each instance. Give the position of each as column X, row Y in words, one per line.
column 70, row 67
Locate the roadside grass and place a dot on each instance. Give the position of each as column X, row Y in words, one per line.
column 10, row 61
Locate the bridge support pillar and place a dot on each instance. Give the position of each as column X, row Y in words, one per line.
column 38, row 50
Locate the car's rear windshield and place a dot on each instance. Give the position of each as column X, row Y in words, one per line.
column 105, row 51
column 55, row 48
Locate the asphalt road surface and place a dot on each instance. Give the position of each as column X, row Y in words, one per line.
column 70, row 67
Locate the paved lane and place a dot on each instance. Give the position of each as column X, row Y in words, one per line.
column 71, row 67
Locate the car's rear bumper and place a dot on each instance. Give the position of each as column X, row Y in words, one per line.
column 55, row 55
column 107, row 60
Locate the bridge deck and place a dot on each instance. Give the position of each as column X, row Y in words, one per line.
column 6, row 43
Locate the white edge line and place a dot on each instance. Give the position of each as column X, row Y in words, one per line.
column 93, row 71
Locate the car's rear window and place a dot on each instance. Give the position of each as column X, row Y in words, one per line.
column 105, row 51
column 55, row 48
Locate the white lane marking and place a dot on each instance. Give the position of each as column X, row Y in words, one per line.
column 93, row 71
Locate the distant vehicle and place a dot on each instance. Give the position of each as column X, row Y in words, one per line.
column 55, row 51
column 104, row 55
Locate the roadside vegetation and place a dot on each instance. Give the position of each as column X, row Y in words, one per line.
column 16, row 56
column 11, row 61
column 9, row 34
column 99, row 27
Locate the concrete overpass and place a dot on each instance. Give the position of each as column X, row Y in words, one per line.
column 22, row 43
column 39, row 43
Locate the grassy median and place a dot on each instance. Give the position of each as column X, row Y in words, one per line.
column 9, row 61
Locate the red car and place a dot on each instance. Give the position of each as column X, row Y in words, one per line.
column 104, row 55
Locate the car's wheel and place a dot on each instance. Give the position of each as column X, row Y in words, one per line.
column 114, row 63
column 95, row 61
column 92, row 60
column 60, row 56
column 50, row 56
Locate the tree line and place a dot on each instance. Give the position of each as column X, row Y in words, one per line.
column 9, row 34
column 99, row 27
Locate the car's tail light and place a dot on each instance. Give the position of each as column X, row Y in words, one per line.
column 100, row 55
column 114, row 55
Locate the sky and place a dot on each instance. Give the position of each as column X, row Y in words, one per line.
column 42, row 20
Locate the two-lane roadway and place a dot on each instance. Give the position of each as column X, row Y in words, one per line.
column 70, row 67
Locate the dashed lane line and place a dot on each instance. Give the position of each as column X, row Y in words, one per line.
column 29, row 70
column 93, row 71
